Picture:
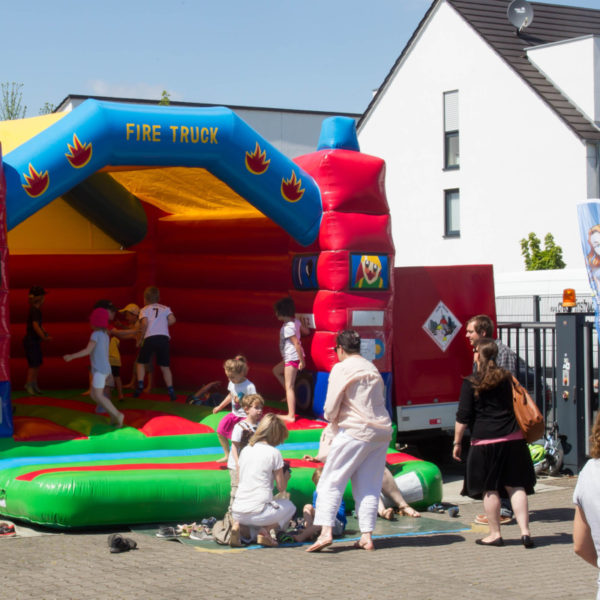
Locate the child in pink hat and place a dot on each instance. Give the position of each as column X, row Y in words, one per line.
column 97, row 349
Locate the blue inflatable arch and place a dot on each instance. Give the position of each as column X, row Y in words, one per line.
column 107, row 134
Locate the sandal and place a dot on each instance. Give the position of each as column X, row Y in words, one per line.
column 358, row 546
column 266, row 540
column 185, row 530
column 319, row 545
column 234, row 538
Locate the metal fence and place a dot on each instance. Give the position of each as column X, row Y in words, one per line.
column 528, row 326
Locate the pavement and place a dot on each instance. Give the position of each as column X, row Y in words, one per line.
column 44, row 565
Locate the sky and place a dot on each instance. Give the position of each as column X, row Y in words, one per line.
column 298, row 54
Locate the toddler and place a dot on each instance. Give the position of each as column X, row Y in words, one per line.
column 239, row 386
column 97, row 350
column 291, row 352
column 253, row 405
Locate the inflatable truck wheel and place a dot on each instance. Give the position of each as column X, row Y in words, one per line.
column 304, row 389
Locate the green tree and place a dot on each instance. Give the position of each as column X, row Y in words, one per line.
column 537, row 259
column 47, row 108
column 165, row 98
column 10, row 103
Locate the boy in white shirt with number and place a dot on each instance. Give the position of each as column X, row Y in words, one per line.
column 155, row 320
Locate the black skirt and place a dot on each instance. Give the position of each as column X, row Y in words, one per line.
column 492, row 467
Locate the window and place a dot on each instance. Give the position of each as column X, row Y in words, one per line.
column 451, row 154
column 451, row 213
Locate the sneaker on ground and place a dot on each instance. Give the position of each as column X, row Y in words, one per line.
column 483, row 520
column 167, row 532
column 172, row 395
column 30, row 390
column 7, row 530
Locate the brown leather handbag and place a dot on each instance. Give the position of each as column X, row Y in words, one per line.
column 528, row 415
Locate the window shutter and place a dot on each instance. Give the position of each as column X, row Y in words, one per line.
column 451, row 111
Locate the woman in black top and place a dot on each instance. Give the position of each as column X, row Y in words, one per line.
column 499, row 463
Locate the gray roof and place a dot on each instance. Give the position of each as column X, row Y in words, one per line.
column 551, row 23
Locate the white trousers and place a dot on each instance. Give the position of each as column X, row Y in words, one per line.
column 351, row 460
column 278, row 511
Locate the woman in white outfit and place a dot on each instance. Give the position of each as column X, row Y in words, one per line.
column 260, row 464
column 355, row 407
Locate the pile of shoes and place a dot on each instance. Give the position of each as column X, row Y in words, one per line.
column 194, row 531
column 118, row 543
column 7, row 529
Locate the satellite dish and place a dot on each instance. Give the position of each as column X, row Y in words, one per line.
column 520, row 14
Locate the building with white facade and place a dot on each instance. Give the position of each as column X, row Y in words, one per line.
column 490, row 134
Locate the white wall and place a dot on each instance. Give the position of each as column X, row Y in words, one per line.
column 521, row 168
column 573, row 66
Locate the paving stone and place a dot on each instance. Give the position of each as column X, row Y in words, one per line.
column 447, row 565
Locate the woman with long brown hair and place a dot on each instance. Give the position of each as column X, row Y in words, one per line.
column 586, row 526
column 499, row 463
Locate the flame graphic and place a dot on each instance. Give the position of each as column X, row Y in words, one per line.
column 290, row 188
column 37, row 183
column 256, row 161
column 79, row 154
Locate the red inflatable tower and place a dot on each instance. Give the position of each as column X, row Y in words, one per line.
column 345, row 280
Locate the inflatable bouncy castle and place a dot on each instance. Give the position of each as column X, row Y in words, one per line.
column 319, row 230
column 197, row 203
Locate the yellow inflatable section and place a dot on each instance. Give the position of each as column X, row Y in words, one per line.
column 182, row 192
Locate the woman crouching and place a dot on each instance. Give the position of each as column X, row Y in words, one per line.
column 261, row 463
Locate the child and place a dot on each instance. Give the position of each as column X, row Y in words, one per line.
column 207, row 394
column 291, row 352
column 112, row 311
column 311, row 531
column 239, row 386
column 240, row 436
column 128, row 331
column 131, row 314
column 97, row 349
column 155, row 320
column 33, row 338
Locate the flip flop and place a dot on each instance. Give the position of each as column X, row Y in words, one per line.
column 319, row 545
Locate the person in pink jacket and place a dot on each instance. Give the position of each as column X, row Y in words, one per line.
column 355, row 407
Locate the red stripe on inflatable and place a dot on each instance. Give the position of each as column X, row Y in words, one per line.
column 299, row 423
column 205, row 466
column 36, row 429
column 398, row 457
